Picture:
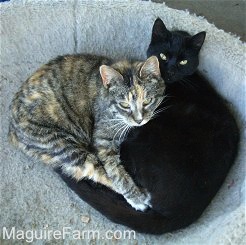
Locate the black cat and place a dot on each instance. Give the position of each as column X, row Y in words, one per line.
column 177, row 51
column 183, row 156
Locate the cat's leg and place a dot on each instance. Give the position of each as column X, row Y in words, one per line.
column 90, row 169
column 122, row 182
column 59, row 149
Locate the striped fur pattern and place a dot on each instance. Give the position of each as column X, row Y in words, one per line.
column 74, row 112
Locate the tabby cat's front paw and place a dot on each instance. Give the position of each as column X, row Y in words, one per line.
column 140, row 202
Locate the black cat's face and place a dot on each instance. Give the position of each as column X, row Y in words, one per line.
column 177, row 51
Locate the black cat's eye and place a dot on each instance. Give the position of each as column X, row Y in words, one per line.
column 147, row 101
column 183, row 62
column 163, row 56
column 124, row 105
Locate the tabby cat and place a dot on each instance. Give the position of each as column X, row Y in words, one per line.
column 181, row 157
column 74, row 112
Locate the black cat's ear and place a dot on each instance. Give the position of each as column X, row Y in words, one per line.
column 108, row 74
column 150, row 67
column 197, row 40
column 159, row 31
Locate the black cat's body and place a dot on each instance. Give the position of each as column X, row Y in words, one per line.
column 181, row 157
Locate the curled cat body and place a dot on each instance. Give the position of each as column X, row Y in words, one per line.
column 74, row 112
column 182, row 157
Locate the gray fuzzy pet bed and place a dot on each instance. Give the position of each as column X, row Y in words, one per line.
column 34, row 31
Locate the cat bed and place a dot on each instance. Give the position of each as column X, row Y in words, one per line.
column 32, row 32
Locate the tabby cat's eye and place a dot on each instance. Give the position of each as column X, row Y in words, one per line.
column 183, row 62
column 147, row 101
column 163, row 56
column 124, row 105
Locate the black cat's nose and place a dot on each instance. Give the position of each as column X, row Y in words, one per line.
column 170, row 73
column 139, row 121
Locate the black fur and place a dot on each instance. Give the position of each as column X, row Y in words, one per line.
column 177, row 46
column 182, row 157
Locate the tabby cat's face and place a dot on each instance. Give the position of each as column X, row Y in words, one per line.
column 177, row 51
column 134, row 90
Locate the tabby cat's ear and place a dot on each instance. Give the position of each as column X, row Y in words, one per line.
column 109, row 74
column 150, row 67
column 197, row 40
column 159, row 31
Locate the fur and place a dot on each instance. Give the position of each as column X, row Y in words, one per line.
column 33, row 32
column 183, row 156
column 72, row 113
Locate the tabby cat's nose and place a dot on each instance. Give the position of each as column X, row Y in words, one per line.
column 139, row 120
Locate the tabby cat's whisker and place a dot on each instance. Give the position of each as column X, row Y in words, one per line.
column 127, row 131
column 160, row 102
column 163, row 100
column 112, row 120
column 156, row 114
column 122, row 127
column 122, row 133
column 166, row 97
column 160, row 110
column 154, row 117
column 116, row 125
